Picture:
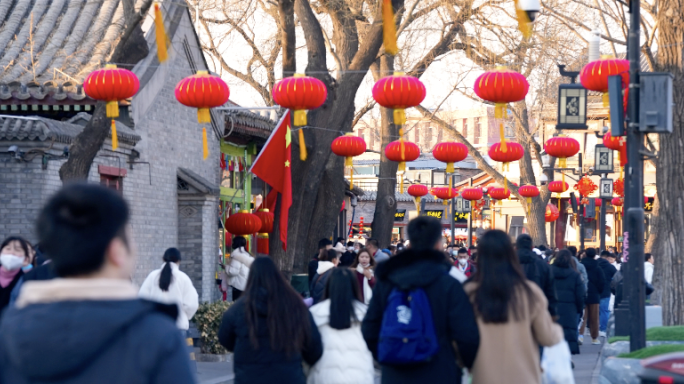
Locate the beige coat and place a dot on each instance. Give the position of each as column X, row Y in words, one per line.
column 509, row 352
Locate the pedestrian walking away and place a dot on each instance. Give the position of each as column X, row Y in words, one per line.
column 570, row 294
column 365, row 276
column 346, row 358
column 323, row 244
column 169, row 285
column 604, row 305
column 536, row 270
column 422, row 270
column 89, row 326
column 596, row 283
column 327, row 260
column 238, row 266
column 269, row 330
column 512, row 315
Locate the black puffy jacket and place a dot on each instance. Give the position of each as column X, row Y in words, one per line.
column 538, row 271
column 570, row 294
column 596, row 281
column 263, row 365
column 452, row 315
column 608, row 272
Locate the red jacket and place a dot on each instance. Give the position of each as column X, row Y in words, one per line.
column 469, row 268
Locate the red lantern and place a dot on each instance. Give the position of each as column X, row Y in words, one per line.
column 594, row 76
column 450, row 153
column 551, row 213
column 619, row 187
column 417, row 191
column 558, row 186
column 585, row 186
column 472, row 194
column 300, row 93
column 500, row 87
column 399, row 92
column 511, row 152
column 562, row 148
column 444, row 193
column 617, row 201
column 266, row 218
column 243, row 223
column 617, row 144
column 111, row 85
column 528, row 191
column 349, row 146
column 402, row 151
column 497, row 193
column 202, row 91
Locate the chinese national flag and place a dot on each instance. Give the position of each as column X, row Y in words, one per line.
column 273, row 166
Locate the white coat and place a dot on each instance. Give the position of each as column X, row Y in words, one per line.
column 238, row 268
column 346, row 358
column 181, row 292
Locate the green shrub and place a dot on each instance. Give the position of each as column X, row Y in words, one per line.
column 653, row 351
column 674, row 333
column 208, row 320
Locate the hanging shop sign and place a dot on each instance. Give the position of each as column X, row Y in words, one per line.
column 399, row 215
column 437, row 214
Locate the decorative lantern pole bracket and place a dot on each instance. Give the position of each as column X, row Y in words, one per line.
column 571, row 74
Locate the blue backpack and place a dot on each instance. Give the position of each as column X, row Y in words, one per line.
column 407, row 334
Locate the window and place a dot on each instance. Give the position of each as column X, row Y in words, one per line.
column 112, row 177
column 438, row 178
column 465, row 128
column 517, row 226
column 360, row 133
column 416, row 131
column 477, row 130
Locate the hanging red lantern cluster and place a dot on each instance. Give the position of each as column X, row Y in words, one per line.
column 399, row 92
column 450, row 153
column 417, row 191
column 562, row 148
column 444, row 193
column 267, row 219
column 111, row 84
column 528, row 191
column 513, row 152
column 500, row 87
column 349, row 146
column 472, row 194
column 619, row 187
column 202, row 91
column 402, row 151
column 594, row 75
column 300, row 93
column 585, row 186
column 243, row 223
column 551, row 213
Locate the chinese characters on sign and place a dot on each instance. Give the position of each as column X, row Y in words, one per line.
column 399, row 215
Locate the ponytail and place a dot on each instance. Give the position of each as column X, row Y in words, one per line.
column 172, row 255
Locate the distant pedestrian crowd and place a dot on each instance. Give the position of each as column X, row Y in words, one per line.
column 422, row 313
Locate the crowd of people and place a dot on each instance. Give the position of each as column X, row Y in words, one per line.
column 422, row 313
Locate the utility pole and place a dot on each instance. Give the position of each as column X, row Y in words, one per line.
column 602, row 222
column 453, row 212
column 470, row 219
column 634, row 185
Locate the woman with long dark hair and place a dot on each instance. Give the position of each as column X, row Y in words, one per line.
column 169, row 285
column 15, row 254
column 511, row 313
column 238, row 266
column 363, row 269
column 269, row 330
column 570, row 293
column 346, row 358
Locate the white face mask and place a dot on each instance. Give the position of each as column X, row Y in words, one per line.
column 11, row 262
column 463, row 262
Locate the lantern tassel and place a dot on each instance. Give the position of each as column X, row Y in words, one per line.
column 401, row 184
column 160, row 32
column 203, row 116
column 418, row 204
column 499, row 110
column 504, row 147
column 402, row 149
column 562, row 162
column 445, row 202
column 300, row 118
column 399, row 116
column 529, row 204
column 205, row 144
column 302, row 145
column 389, row 29
column 606, row 100
column 113, row 109
column 348, row 161
column 351, row 178
column 563, row 177
column 402, row 166
column 450, row 168
column 115, row 138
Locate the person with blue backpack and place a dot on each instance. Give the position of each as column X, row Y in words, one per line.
column 420, row 316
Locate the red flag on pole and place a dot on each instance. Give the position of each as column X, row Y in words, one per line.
column 272, row 165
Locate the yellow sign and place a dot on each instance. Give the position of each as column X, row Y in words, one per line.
column 435, row 214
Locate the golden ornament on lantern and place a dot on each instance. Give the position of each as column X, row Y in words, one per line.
column 349, row 146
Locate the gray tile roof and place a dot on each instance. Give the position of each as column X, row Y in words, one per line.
column 198, row 182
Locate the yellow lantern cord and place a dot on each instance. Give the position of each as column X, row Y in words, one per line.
column 450, row 168
column 115, row 138
column 606, row 99
column 351, row 178
column 399, row 116
column 529, row 204
column 160, row 32
column 418, row 204
column 205, row 144
column 302, row 145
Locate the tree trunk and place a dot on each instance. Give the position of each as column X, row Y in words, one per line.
column 129, row 51
column 668, row 239
column 287, row 26
column 385, row 202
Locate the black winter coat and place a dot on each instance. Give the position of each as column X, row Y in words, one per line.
column 94, row 341
column 570, row 294
column 312, row 267
column 6, row 292
column 538, row 271
column 608, row 272
column 596, row 281
column 452, row 315
column 264, row 365
column 318, row 283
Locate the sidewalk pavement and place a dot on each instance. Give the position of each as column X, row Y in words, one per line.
column 215, row 373
column 587, row 363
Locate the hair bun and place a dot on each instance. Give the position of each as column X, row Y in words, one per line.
column 78, row 218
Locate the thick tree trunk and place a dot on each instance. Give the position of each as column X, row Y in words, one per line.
column 287, row 26
column 385, row 202
column 130, row 50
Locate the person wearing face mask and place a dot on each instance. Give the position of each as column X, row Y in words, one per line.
column 363, row 267
column 15, row 253
column 463, row 262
